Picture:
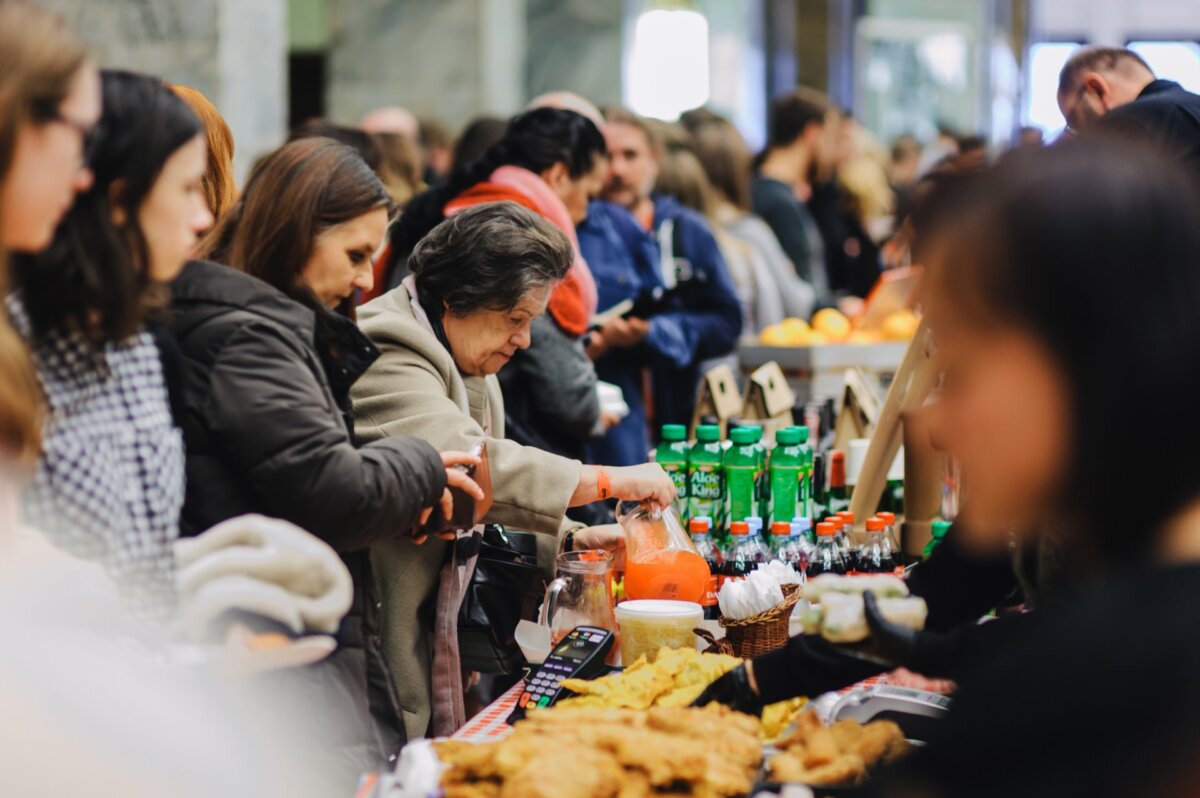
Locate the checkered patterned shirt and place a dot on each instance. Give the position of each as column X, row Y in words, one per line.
column 109, row 484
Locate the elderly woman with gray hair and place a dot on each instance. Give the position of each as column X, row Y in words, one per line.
column 477, row 282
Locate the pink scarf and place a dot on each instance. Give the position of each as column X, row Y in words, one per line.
column 579, row 285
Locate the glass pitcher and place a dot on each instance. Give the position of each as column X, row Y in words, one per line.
column 660, row 560
column 580, row 594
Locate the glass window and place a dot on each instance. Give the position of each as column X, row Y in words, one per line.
column 667, row 68
column 1173, row 60
column 1046, row 60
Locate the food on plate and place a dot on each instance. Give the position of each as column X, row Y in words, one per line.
column 616, row 753
column 836, row 755
column 833, row 606
column 674, row 678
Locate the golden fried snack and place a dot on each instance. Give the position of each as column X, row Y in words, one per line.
column 472, row 789
column 585, row 774
column 820, row 748
column 877, row 740
column 776, row 718
column 837, row 754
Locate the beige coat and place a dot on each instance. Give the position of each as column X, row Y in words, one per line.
column 414, row 388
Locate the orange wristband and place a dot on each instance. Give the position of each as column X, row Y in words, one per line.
column 603, row 483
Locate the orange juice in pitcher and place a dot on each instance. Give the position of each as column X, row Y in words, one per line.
column 660, row 560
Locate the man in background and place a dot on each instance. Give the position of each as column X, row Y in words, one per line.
column 699, row 316
column 1112, row 90
column 801, row 136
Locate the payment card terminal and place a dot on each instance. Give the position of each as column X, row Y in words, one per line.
column 579, row 655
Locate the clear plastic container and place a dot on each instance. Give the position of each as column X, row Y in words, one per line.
column 646, row 626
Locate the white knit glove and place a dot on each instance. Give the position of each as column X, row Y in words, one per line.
column 265, row 566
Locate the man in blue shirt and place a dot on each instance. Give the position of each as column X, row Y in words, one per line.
column 699, row 317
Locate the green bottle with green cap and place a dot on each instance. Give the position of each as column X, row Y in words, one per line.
column 762, row 478
column 804, row 501
column 672, row 455
column 940, row 528
column 741, row 471
column 787, row 468
column 706, row 480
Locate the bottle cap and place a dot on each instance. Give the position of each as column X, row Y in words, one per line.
column 674, row 432
column 757, row 432
column 875, row 525
column 742, row 436
column 847, row 517
column 755, row 523
column 698, row 526
column 708, row 433
column 940, row 528
column 781, row 528
column 833, row 519
column 837, row 469
column 825, row 529
column 789, row 436
column 803, row 431
column 739, row 528
column 805, row 524
column 888, row 518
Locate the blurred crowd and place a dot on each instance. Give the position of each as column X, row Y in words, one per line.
column 277, row 425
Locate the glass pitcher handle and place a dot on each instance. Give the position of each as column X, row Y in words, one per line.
column 550, row 603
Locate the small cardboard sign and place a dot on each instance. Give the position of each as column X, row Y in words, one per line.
column 769, row 399
column 859, row 413
column 719, row 396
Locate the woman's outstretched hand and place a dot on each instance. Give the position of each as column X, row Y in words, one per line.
column 455, row 478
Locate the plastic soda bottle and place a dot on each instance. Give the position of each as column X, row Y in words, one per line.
column 672, row 455
column 843, row 538
column 839, row 499
column 698, row 528
column 785, row 547
column 787, row 474
column 706, row 479
column 828, row 559
column 741, row 471
column 746, row 554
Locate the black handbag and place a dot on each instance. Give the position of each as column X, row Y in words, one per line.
column 507, row 586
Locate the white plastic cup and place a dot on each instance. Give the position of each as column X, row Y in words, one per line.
column 855, row 456
column 650, row 624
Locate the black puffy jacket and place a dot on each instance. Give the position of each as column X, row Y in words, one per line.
column 263, row 400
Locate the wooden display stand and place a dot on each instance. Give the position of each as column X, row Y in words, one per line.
column 719, row 396
column 915, row 378
column 769, row 400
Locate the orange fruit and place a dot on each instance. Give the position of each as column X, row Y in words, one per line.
column 863, row 337
column 832, row 324
column 900, row 326
column 775, row 335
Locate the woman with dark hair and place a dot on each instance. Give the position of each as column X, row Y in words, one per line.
column 550, row 161
column 109, row 484
column 480, row 280
column 1023, row 279
column 266, row 411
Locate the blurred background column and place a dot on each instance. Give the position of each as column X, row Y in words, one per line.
column 235, row 51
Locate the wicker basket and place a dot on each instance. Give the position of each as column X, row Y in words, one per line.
column 765, row 631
